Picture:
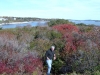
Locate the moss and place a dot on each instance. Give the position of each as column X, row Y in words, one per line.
column 35, row 73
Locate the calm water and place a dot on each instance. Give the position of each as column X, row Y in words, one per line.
column 97, row 23
column 42, row 23
column 35, row 23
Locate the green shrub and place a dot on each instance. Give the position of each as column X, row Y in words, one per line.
column 96, row 73
column 53, row 34
column 57, row 64
column 97, row 68
column 0, row 28
column 58, row 21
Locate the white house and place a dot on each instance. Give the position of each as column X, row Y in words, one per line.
column 0, row 19
column 3, row 19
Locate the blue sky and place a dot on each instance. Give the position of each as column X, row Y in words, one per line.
column 66, row 9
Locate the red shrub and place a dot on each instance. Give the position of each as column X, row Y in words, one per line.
column 68, row 31
column 66, row 28
column 28, row 64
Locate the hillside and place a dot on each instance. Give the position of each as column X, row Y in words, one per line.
column 22, row 49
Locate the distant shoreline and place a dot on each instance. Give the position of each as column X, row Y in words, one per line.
column 19, row 22
column 14, row 23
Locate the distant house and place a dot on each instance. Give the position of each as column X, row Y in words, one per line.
column 3, row 19
column 0, row 19
column 14, row 18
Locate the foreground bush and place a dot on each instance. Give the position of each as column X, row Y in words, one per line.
column 21, row 49
column 15, row 58
column 20, row 63
column 81, row 48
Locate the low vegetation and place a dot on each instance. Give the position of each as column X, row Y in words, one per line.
column 22, row 49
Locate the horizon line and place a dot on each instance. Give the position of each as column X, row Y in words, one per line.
column 45, row 18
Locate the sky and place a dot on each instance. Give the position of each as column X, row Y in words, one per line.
column 63, row 9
